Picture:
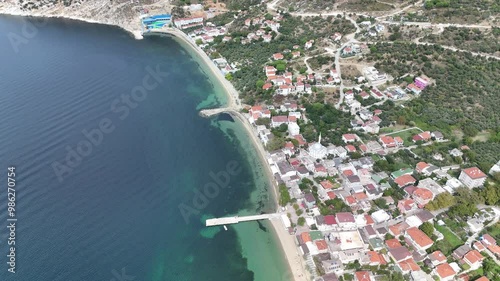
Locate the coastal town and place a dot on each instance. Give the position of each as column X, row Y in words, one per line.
column 377, row 175
column 361, row 196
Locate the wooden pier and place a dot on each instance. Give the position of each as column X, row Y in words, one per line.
column 237, row 219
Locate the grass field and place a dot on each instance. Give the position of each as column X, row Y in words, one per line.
column 451, row 238
column 405, row 135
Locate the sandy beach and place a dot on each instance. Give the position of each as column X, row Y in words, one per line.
column 295, row 261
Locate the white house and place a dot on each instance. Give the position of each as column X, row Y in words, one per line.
column 472, row 177
column 293, row 129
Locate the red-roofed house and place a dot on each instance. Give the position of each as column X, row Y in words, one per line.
column 444, row 271
column 345, row 220
column 321, row 245
column 398, row 229
column 422, row 167
column 347, row 138
column 419, row 239
column 267, row 86
column 387, row 141
column 405, row 180
column 422, row 196
column 408, row 266
column 393, row 243
column 363, row 148
column 399, row 141
column 406, row 205
column 300, row 139
column 305, row 237
column 350, row 148
column 478, row 246
column 495, row 249
column 474, row 259
column 276, row 121
column 369, row 220
column 330, row 220
column 326, row 184
column 350, row 200
column 278, row 56
column 331, row 195
column 376, row 258
column 424, row 136
column 472, row 177
column 363, row 276
column 488, row 240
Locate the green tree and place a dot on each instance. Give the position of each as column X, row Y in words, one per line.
column 275, row 143
column 491, row 194
column 427, row 228
column 263, row 121
column 259, row 84
column 301, row 221
column 284, row 195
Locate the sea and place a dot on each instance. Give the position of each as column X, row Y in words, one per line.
column 111, row 169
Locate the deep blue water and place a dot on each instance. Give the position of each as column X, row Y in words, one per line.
column 117, row 207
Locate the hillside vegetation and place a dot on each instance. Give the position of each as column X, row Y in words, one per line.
column 465, row 95
column 473, row 40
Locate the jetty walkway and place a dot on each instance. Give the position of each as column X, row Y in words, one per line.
column 237, row 219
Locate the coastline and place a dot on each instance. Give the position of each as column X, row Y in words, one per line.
column 288, row 246
column 136, row 33
column 233, row 106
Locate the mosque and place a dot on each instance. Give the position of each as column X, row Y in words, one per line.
column 317, row 150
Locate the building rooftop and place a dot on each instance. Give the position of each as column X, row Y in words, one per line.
column 419, row 237
column 474, row 173
column 445, row 270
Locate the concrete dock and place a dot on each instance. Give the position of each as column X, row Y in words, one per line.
column 237, row 219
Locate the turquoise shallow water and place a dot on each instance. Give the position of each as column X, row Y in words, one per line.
column 125, row 206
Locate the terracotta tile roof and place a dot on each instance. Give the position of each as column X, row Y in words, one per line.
column 350, row 200
column 350, row 148
column 445, row 270
column 419, row 237
column 331, row 195
column 404, row 180
column 321, row 244
column 360, row 196
column 423, row 193
column 393, row 243
column 398, row 229
column 348, row 173
column 330, row 220
column 376, row 258
column 326, row 184
column 478, row 246
column 494, row 249
column 473, row 257
column 409, row 265
column 363, row 276
column 421, row 166
column 369, row 219
column 305, row 237
column 488, row 239
column 474, row 173
column 484, row 278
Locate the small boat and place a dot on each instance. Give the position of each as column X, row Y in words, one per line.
column 225, row 227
